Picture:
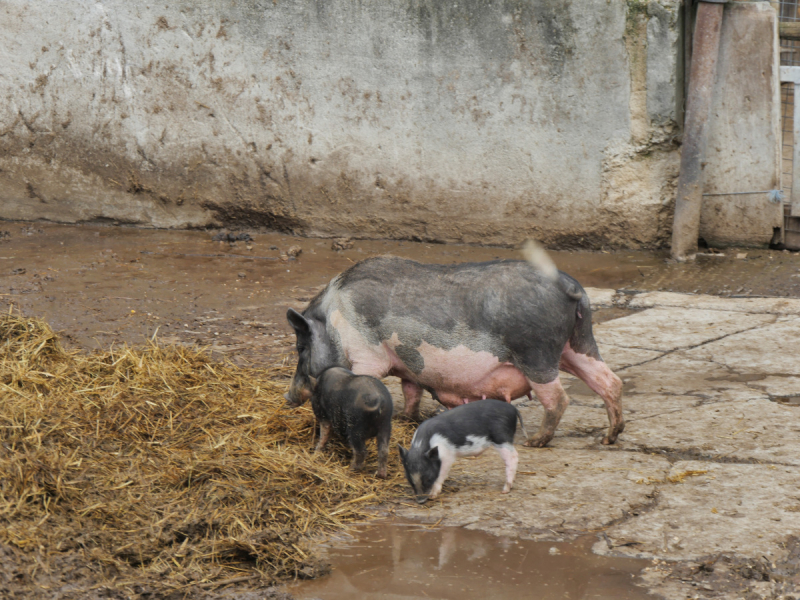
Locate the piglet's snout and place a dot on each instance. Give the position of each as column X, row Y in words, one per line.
column 290, row 402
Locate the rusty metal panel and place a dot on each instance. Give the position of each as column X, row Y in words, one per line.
column 744, row 144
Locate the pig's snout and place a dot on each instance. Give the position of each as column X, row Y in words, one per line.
column 290, row 402
column 295, row 397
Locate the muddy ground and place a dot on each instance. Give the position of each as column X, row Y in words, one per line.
column 703, row 481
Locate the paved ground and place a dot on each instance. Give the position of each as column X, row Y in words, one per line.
column 705, row 475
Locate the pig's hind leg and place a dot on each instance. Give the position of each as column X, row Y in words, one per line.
column 383, row 449
column 602, row 380
column 324, row 435
column 359, row 453
column 511, row 460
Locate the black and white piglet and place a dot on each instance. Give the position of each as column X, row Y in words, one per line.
column 358, row 408
column 466, row 430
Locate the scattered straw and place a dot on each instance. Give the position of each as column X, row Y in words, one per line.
column 153, row 470
column 679, row 477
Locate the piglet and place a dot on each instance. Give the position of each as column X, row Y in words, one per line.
column 466, row 430
column 358, row 408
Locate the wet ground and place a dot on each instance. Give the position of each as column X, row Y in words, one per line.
column 102, row 285
column 702, row 483
column 394, row 561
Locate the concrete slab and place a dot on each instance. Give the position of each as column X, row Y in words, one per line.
column 618, row 357
column 557, row 492
column 601, row 297
column 768, row 350
column 705, row 508
column 664, row 329
column 755, row 430
column 773, row 306
column 676, row 373
column 778, row 386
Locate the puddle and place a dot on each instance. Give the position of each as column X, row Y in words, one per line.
column 391, row 561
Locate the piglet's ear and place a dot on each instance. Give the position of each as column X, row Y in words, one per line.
column 298, row 322
column 403, row 452
column 433, row 453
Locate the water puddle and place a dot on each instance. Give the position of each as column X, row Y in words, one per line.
column 392, row 561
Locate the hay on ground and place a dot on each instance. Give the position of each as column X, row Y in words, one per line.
column 158, row 471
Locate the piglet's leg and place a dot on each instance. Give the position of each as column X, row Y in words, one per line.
column 448, row 459
column 324, row 435
column 511, row 458
column 554, row 400
column 383, row 449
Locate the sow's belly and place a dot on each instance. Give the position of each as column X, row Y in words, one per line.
column 457, row 375
column 461, row 375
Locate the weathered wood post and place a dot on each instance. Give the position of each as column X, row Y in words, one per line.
column 702, row 77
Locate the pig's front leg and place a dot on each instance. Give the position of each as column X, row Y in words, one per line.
column 324, row 435
column 448, row 458
column 511, row 459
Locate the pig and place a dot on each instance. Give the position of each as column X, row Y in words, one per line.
column 358, row 408
column 467, row 430
column 463, row 332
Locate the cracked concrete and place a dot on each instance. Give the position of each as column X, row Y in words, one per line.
column 707, row 465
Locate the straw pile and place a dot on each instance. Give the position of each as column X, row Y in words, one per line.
column 157, row 471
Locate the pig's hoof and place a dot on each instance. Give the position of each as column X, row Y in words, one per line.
column 538, row 441
column 612, row 435
column 506, row 490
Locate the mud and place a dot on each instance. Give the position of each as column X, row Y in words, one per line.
column 398, row 560
column 101, row 285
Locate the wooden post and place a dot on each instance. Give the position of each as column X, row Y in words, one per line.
column 702, row 78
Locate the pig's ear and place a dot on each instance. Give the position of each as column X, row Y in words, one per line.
column 433, row 453
column 298, row 322
column 403, row 452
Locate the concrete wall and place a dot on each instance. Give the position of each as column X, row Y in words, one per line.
column 471, row 120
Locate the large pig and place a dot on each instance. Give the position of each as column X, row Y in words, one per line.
column 464, row 332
